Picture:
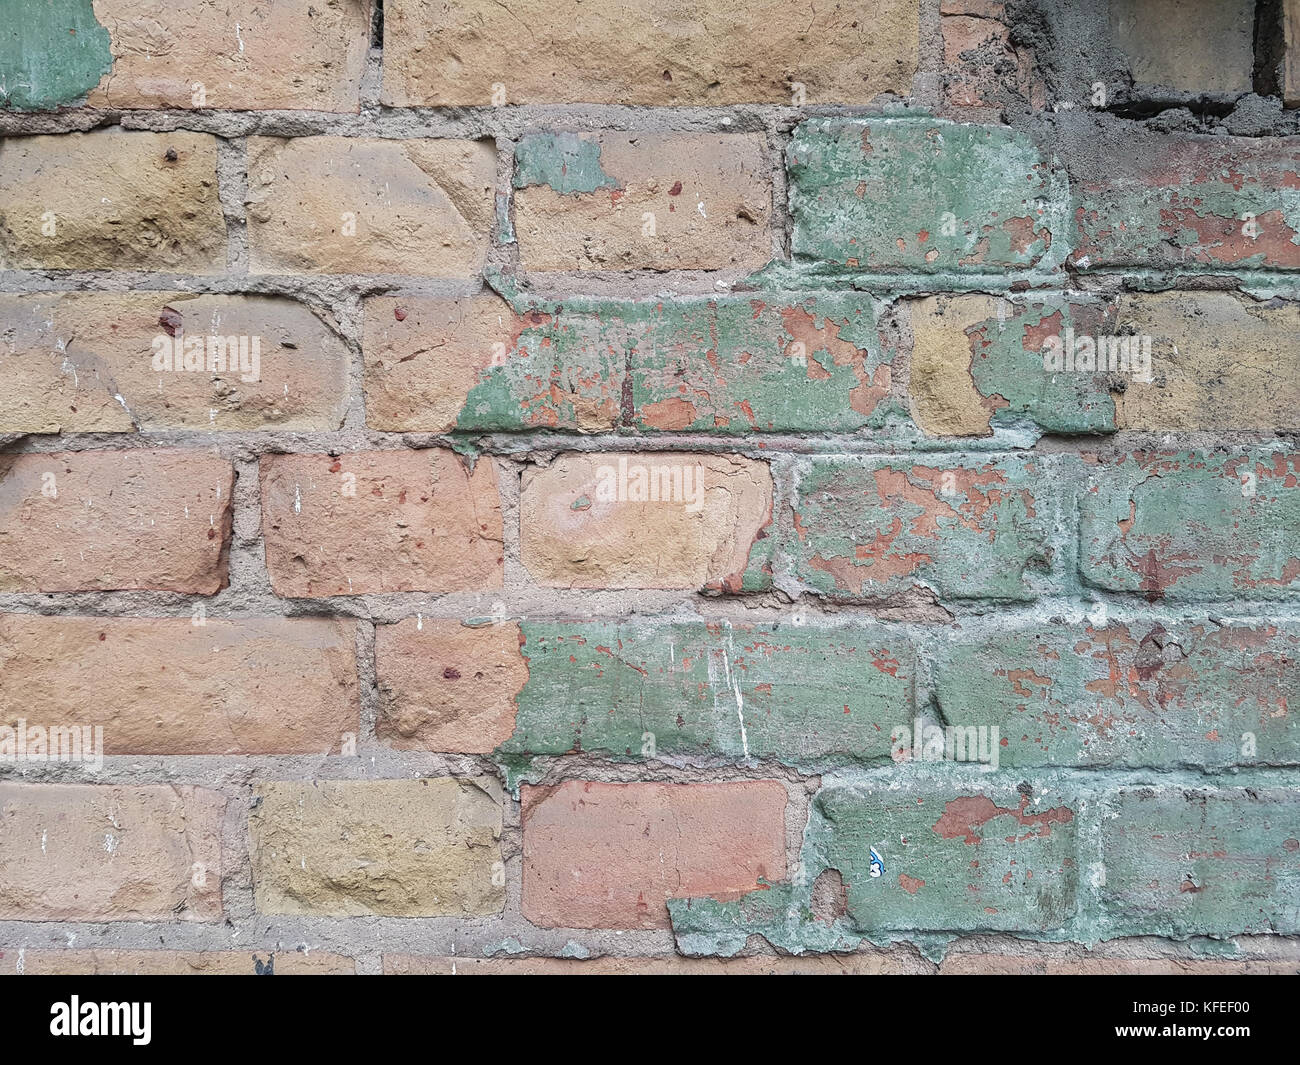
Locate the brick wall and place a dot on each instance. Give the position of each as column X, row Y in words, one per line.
column 620, row 488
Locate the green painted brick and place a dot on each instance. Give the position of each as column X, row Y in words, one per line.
column 761, row 363
column 781, row 913
column 1193, row 525
column 965, row 527
column 960, row 856
column 979, row 363
column 956, row 853
column 567, row 162
column 912, row 194
column 729, row 365
column 1182, row 200
column 1146, row 693
column 1203, row 862
column 565, row 372
column 638, row 690
column 51, row 53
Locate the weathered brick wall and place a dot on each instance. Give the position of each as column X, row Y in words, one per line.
column 598, row 487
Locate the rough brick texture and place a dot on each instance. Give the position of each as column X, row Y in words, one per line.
column 109, row 363
column 112, row 200
column 615, row 201
column 609, row 855
column 76, row 852
column 646, row 520
column 380, row 521
column 399, row 848
column 95, row 520
column 176, row 686
column 338, row 205
column 654, row 53
column 732, row 486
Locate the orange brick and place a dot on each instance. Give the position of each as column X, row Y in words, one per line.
column 99, row 520
column 169, row 686
column 600, row 855
column 381, row 521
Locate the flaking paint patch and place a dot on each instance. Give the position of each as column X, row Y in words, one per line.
column 925, row 195
column 569, row 163
column 644, row 691
column 51, row 53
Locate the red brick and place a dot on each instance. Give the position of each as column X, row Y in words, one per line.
column 600, row 855
column 446, row 686
column 170, row 686
column 76, row 521
column 381, row 521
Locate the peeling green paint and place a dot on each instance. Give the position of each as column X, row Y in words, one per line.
column 1056, row 857
column 1158, row 693
column 644, row 691
column 1181, row 863
column 780, row 913
column 978, row 528
column 1194, row 525
column 562, row 373
column 1007, row 363
column 51, row 53
column 567, row 162
column 727, row 365
column 1183, row 200
column 761, row 363
column 925, row 195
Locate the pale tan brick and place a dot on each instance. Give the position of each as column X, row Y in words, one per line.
column 169, row 686
column 651, row 201
column 357, row 205
column 446, row 686
column 653, row 52
column 381, row 521
column 88, row 362
column 111, row 200
column 245, row 54
column 600, row 855
column 111, row 962
column 396, row 848
column 99, row 520
column 580, row 528
column 73, row 852
column 1219, row 361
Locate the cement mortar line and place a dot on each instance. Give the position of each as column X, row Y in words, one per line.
column 237, row 775
column 509, row 121
column 642, row 285
column 369, row 938
column 532, row 604
column 540, row 448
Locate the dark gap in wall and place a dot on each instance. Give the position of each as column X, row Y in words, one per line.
column 1270, row 47
column 377, row 25
column 1143, row 109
